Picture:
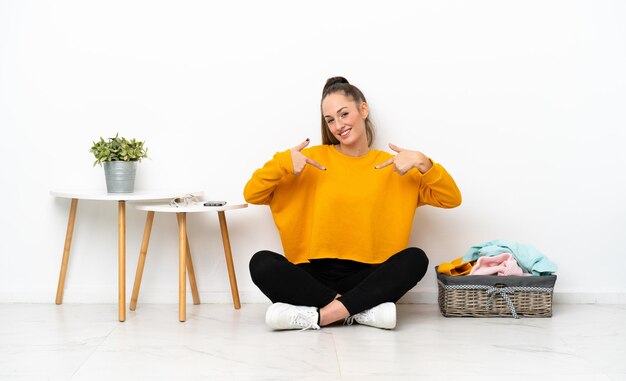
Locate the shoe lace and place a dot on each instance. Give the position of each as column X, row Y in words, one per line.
column 305, row 321
column 365, row 316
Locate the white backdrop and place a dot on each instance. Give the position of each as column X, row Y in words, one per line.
column 522, row 101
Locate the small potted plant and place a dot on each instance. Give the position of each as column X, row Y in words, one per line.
column 119, row 157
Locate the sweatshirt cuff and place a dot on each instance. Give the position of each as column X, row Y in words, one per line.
column 433, row 174
column 284, row 161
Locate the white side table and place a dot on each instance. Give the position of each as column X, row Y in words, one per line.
column 121, row 199
column 184, row 255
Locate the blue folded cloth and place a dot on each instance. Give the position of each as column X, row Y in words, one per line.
column 527, row 257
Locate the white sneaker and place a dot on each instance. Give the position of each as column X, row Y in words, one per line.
column 287, row 316
column 381, row 316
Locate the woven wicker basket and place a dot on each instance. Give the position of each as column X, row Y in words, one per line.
column 495, row 296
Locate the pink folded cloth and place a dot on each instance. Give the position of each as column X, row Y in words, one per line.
column 502, row 264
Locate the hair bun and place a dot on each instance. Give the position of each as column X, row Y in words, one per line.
column 335, row 80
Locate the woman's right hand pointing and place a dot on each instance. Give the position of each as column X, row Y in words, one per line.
column 300, row 161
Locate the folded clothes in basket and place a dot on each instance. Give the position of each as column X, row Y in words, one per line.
column 456, row 267
column 502, row 265
column 527, row 257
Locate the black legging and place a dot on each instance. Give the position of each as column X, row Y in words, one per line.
column 362, row 286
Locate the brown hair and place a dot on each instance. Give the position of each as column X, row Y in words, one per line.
column 340, row 84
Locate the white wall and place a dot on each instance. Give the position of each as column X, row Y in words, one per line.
column 522, row 102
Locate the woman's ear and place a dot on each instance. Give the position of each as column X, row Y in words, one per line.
column 364, row 110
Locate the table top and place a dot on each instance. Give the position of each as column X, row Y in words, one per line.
column 193, row 208
column 139, row 195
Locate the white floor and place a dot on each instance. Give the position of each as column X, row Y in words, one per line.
column 85, row 342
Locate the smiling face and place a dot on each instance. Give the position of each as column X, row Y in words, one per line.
column 345, row 119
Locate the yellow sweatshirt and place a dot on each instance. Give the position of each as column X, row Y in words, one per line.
column 350, row 210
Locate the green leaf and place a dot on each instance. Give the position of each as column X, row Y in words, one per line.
column 118, row 148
